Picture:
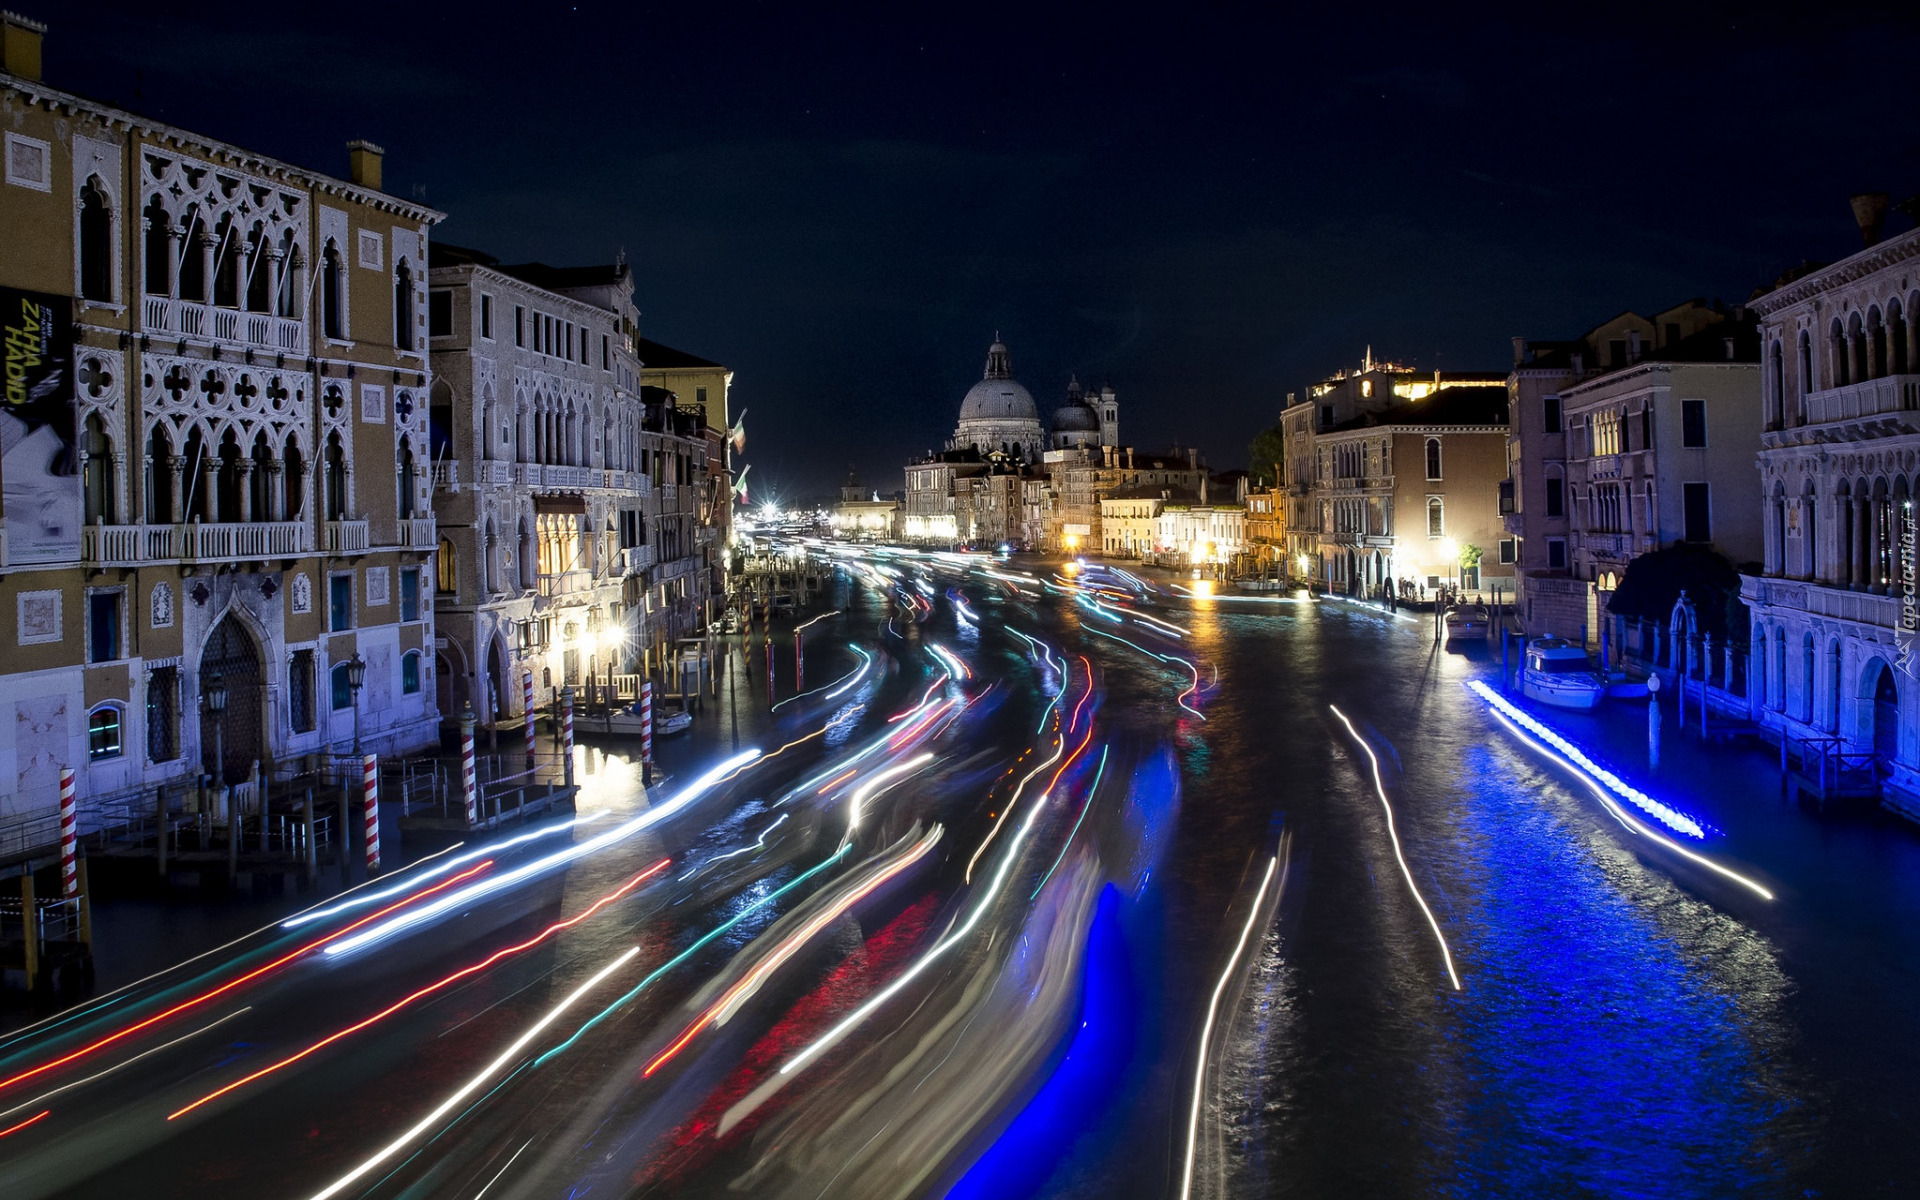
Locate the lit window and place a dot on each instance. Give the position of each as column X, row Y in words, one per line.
column 103, row 733
column 410, row 672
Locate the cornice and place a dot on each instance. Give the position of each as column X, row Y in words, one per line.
column 37, row 93
column 1847, row 270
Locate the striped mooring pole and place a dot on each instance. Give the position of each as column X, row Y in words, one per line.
column 370, row 794
column 469, row 780
column 566, row 734
column 69, row 837
column 646, row 723
column 526, row 705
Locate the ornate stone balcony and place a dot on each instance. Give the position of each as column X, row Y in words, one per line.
column 220, row 541
column 1868, row 398
column 418, row 533
column 446, row 475
column 188, row 319
column 347, row 537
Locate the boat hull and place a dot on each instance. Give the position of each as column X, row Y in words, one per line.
column 1583, row 695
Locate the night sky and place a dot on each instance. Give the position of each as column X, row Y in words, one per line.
column 1207, row 206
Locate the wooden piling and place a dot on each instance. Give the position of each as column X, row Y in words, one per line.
column 29, row 931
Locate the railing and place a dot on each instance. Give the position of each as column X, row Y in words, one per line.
column 446, row 474
column 418, row 533
column 103, row 545
column 347, row 537
column 495, row 472
column 1863, row 607
column 569, row 477
column 1868, row 398
column 1830, row 768
column 635, row 559
column 565, row 583
column 626, row 687
column 259, row 539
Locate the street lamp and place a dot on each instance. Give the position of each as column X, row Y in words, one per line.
column 356, row 678
column 213, row 693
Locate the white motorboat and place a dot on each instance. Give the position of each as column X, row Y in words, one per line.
column 1559, row 673
column 628, row 720
column 1468, row 623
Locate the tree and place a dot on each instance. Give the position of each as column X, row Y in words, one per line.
column 1654, row 581
column 1264, row 456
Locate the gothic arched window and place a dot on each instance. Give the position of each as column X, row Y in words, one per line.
column 96, row 242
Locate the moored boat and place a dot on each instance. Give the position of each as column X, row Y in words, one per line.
column 1468, row 623
column 1557, row 672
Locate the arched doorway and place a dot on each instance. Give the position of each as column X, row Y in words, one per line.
column 1886, row 715
column 231, row 656
column 495, row 684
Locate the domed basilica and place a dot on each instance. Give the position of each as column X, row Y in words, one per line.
column 998, row 416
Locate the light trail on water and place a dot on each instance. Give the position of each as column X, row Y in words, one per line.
column 1380, row 789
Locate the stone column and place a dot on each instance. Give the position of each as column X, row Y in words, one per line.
column 1874, row 583
column 1861, row 577
column 276, row 491
column 244, row 485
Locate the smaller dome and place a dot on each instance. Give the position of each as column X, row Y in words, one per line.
column 1075, row 417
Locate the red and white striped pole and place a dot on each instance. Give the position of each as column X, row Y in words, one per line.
column 566, row 734
column 69, row 837
column 469, row 779
column 370, row 794
column 646, row 723
column 526, row 704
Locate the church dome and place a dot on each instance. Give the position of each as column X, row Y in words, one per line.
column 998, row 400
column 1075, row 417
column 997, row 397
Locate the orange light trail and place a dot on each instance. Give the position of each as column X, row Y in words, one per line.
column 34, row 1120
column 256, row 973
column 833, row 783
column 431, row 988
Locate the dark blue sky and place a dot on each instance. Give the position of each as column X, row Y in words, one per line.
column 1206, row 204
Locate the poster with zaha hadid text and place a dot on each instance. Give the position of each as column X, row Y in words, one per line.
column 39, row 467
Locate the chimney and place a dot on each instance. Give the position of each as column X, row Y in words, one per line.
column 1869, row 208
column 1579, row 364
column 1129, row 458
column 1193, row 459
column 1729, row 343
column 1633, row 345
column 363, row 163
column 1203, row 489
column 1519, row 351
column 20, row 45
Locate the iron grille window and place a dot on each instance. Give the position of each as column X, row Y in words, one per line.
column 163, row 714
column 300, row 691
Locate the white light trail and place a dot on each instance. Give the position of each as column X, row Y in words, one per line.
column 473, row 892
column 478, row 1081
column 832, row 1036
column 1381, row 790
column 871, row 787
column 1206, row 1031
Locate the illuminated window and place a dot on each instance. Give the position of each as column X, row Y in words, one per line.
column 410, row 673
column 103, row 733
